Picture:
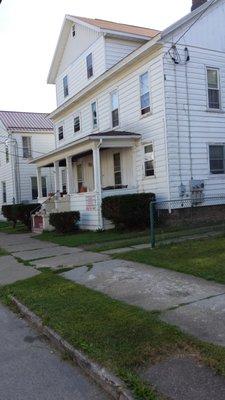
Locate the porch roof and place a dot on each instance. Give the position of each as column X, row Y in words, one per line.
column 110, row 138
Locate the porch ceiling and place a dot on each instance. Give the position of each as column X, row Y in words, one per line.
column 84, row 146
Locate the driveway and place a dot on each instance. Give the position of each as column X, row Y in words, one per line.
column 31, row 370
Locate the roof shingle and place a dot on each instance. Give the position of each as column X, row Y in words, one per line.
column 26, row 121
column 115, row 26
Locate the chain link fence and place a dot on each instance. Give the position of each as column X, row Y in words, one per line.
column 186, row 215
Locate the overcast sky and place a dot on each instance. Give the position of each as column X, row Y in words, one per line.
column 29, row 31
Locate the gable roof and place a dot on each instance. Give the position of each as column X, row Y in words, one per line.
column 102, row 27
column 26, row 121
column 118, row 27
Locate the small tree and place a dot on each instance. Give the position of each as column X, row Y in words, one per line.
column 65, row 222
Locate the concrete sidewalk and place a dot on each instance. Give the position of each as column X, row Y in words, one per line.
column 31, row 370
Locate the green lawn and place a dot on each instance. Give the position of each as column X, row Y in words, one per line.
column 120, row 337
column 7, row 227
column 107, row 240
column 202, row 258
column 87, row 238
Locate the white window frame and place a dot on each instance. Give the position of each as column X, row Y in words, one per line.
column 111, row 108
column 150, row 157
column 92, row 66
column 208, row 148
column 143, row 115
column 29, row 148
column 43, row 178
column 60, row 125
column 6, row 153
column 94, row 127
column 80, row 164
column 65, row 86
column 4, row 192
column 73, row 30
column 207, row 68
column 119, row 170
column 77, row 115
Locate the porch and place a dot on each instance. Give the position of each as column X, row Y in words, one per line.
column 85, row 172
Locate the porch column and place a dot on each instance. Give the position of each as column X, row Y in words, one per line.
column 69, row 175
column 56, row 176
column 97, row 169
column 97, row 183
column 39, row 182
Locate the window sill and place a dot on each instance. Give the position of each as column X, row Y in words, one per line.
column 149, row 177
column 214, row 110
column 146, row 115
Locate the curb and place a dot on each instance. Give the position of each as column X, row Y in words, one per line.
column 107, row 381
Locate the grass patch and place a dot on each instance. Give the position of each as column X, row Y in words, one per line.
column 121, row 337
column 3, row 252
column 202, row 258
column 7, row 227
column 88, row 237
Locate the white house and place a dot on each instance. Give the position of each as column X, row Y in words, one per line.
column 23, row 136
column 138, row 110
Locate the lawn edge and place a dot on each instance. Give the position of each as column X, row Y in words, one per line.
column 108, row 382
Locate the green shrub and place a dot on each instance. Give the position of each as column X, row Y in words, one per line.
column 128, row 211
column 20, row 212
column 65, row 222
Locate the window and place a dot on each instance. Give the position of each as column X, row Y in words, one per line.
column 149, row 160
column 64, row 181
column 89, row 63
column 115, row 108
column 80, row 178
column 26, row 142
column 73, row 30
column 117, row 169
column 145, row 97
column 94, row 115
column 76, row 125
column 34, row 187
column 217, row 159
column 65, row 86
column 60, row 132
column 213, row 88
column 6, row 153
column 4, row 195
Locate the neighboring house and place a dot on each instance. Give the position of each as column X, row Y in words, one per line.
column 138, row 110
column 23, row 136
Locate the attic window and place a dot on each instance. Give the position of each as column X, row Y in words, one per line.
column 89, row 63
column 73, row 30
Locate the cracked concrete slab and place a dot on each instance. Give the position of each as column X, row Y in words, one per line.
column 49, row 252
column 204, row 319
column 70, row 260
column 186, row 379
column 28, row 244
column 144, row 286
column 12, row 271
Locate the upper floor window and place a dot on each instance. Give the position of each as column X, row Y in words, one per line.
column 74, row 30
column 65, row 86
column 145, row 96
column 60, row 132
column 213, row 82
column 76, row 124
column 26, row 142
column 94, row 115
column 217, row 159
column 4, row 194
column 6, row 153
column 149, row 160
column 115, row 108
column 89, row 62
